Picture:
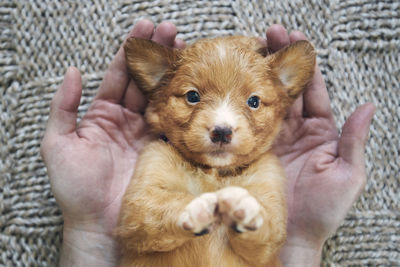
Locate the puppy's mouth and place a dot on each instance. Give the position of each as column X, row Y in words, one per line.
column 220, row 149
column 219, row 153
column 219, row 158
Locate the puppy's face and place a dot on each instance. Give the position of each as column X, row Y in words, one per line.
column 220, row 102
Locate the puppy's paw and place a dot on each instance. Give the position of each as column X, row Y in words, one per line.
column 239, row 209
column 199, row 215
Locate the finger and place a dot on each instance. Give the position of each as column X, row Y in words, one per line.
column 116, row 79
column 354, row 135
column 165, row 34
column 134, row 100
column 296, row 36
column 315, row 98
column 179, row 44
column 296, row 109
column 277, row 37
column 65, row 103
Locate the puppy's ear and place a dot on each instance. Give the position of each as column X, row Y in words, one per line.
column 148, row 62
column 294, row 67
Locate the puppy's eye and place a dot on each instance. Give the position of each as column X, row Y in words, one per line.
column 193, row 97
column 253, row 101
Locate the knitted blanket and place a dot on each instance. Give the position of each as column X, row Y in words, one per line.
column 358, row 43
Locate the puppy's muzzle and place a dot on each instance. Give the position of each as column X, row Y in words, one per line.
column 221, row 135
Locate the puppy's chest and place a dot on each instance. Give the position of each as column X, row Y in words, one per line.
column 200, row 182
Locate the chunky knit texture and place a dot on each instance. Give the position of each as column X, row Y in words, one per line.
column 358, row 43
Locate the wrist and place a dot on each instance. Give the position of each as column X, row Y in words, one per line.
column 87, row 248
column 298, row 252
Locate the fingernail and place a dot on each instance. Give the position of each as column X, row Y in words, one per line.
column 70, row 69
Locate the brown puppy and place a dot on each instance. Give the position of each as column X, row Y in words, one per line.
column 213, row 194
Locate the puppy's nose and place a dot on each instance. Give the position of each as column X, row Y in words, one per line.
column 221, row 134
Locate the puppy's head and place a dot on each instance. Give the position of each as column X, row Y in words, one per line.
column 220, row 102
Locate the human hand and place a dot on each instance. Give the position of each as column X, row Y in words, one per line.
column 90, row 164
column 325, row 171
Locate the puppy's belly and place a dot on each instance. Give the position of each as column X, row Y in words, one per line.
column 211, row 250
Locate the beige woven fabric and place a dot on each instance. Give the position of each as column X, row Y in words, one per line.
column 358, row 44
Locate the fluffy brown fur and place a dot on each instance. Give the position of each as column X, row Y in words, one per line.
column 195, row 200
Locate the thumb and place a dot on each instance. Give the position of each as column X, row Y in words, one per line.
column 354, row 135
column 65, row 103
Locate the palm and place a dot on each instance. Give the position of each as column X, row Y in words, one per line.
column 308, row 150
column 104, row 150
column 325, row 172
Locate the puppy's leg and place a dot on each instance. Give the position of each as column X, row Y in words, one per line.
column 257, row 229
column 199, row 216
column 239, row 209
column 149, row 220
column 153, row 201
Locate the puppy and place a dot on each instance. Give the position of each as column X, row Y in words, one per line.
column 210, row 192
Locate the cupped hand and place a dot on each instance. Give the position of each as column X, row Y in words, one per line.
column 91, row 163
column 325, row 170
